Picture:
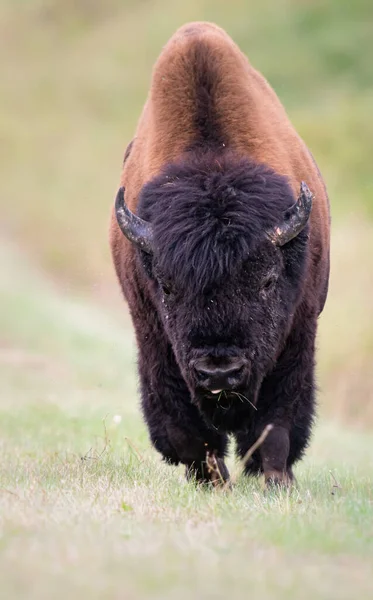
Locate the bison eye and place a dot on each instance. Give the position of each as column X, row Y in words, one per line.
column 166, row 289
column 268, row 284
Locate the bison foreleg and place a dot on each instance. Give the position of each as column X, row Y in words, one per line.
column 271, row 458
column 274, row 453
column 176, row 427
column 197, row 447
column 286, row 400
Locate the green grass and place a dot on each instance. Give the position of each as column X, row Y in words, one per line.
column 88, row 509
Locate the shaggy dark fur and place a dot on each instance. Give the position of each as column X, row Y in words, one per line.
column 216, row 285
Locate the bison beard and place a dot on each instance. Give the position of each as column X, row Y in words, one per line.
column 224, row 288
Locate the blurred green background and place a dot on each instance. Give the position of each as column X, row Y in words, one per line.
column 74, row 76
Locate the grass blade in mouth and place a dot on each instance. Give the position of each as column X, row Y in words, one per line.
column 244, row 397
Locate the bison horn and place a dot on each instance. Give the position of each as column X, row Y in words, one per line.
column 133, row 227
column 295, row 220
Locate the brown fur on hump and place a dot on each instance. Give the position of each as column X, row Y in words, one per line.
column 204, row 91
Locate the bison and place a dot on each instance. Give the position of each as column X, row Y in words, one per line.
column 220, row 241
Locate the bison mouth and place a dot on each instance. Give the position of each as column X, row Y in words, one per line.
column 227, row 410
column 225, row 398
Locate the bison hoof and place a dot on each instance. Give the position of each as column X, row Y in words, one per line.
column 278, row 479
column 217, row 470
column 213, row 473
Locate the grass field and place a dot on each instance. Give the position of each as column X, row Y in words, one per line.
column 87, row 509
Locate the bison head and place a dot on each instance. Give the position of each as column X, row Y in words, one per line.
column 223, row 249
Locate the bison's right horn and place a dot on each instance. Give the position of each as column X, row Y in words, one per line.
column 135, row 229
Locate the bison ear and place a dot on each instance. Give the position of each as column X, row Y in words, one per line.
column 127, row 152
column 135, row 229
column 295, row 218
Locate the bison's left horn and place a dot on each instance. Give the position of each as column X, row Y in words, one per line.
column 295, row 218
column 133, row 227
